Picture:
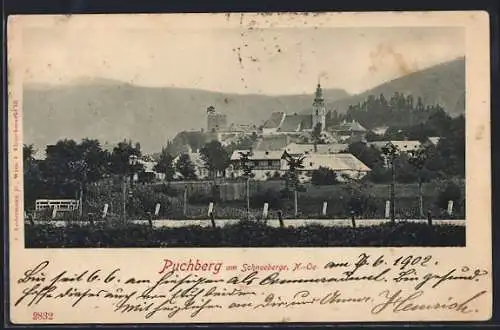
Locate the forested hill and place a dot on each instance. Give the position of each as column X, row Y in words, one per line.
column 443, row 84
column 111, row 111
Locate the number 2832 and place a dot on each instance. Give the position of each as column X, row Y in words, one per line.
column 41, row 316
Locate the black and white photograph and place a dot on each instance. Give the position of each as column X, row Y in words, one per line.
column 244, row 136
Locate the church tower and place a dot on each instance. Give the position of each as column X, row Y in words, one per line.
column 319, row 109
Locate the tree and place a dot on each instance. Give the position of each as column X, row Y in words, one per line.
column 292, row 176
column 244, row 142
column 165, row 164
column 33, row 181
column 96, row 160
column 316, row 136
column 216, row 158
column 28, row 154
column 323, row 176
column 418, row 159
column 369, row 155
column 186, row 167
column 120, row 158
column 247, row 168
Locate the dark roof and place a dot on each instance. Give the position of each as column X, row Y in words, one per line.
column 274, row 120
column 277, row 142
column 294, row 123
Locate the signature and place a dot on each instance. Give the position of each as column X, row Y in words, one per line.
column 398, row 301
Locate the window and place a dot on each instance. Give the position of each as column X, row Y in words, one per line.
column 269, row 163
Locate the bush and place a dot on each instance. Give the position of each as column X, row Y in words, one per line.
column 451, row 192
column 242, row 234
column 323, row 177
column 267, row 196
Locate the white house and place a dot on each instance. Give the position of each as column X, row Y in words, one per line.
column 264, row 164
column 343, row 164
column 149, row 166
column 402, row 146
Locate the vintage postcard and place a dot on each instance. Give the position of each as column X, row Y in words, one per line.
column 257, row 167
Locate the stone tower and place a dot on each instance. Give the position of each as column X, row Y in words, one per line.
column 319, row 109
column 216, row 122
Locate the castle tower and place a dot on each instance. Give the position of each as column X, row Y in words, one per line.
column 319, row 109
column 216, row 122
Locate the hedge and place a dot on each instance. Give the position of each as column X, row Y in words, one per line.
column 243, row 234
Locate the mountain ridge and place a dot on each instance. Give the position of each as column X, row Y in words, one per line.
column 111, row 110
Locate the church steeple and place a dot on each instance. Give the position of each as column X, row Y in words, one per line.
column 319, row 108
column 319, row 93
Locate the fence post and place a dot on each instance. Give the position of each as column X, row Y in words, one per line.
column 105, row 210
column 353, row 221
column 280, row 218
column 265, row 211
column 150, row 220
column 185, row 200
column 157, row 209
column 212, row 219
column 449, row 210
column 295, row 202
column 429, row 217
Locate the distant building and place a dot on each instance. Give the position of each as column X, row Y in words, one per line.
column 350, row 131
column 264, row 164
column 272, row 125
column 272, row 142
column 216, row 122
column 295, row 124
column 304, row 149
column 149, row 170
column 402, row 146
column 344, row 165
column 434, row 140
column 380, row 130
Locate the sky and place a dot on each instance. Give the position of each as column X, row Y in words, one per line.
column 233, row 58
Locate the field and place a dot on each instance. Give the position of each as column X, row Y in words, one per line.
column 243, row 234
column 185, row 200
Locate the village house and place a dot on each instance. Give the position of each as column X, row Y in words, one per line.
column 295, row 149
column 264, row 164
column 402, row 146
column 350, row 131
column 149, row 169
column 345, row 166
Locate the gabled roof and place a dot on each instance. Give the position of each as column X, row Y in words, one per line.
column 336, row 162
column 434, row 139
column 195, row 158
column 271, row 143
column 274, row 121
column 352, row 126
column 258, row 154
column 295, row 123
column 295, row 148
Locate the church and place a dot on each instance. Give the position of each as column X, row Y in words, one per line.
column 296, row 124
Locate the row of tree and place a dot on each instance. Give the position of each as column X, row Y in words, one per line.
column 399, row 109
